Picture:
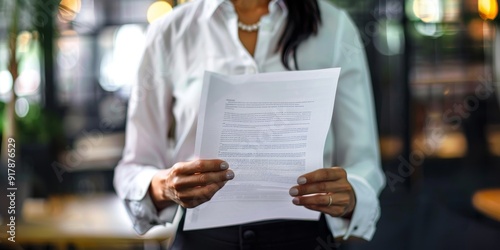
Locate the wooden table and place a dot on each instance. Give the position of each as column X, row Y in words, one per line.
column 82, row 222
column 487, row 201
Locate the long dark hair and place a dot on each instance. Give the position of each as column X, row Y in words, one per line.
column 303, row 21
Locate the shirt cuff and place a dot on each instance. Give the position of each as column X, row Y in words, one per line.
column 142, row 211
column 365, row 216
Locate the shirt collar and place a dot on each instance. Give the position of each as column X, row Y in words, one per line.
column 277, row 3
column 212, row 5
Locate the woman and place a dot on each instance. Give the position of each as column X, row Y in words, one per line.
column 158, row 172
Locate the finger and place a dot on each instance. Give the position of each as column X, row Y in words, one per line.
column 200, row 166
column 336, row 211
column 202, row 179
column 193, row 197
column 323, row 174
column 320, row 187
column 338, row 199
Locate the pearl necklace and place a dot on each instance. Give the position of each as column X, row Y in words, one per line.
column 248, row 27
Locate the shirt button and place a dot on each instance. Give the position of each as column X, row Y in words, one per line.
column 249, row 235
column 355, row 228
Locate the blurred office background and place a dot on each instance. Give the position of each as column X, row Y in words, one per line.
column 435, row 67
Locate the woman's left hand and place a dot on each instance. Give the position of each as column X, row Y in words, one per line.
column 325, row 190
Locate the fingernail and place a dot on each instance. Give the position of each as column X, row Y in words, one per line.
column 295, row 201
column 293, row 191
column 224, row 165
column 229, row 175
column 301, row 180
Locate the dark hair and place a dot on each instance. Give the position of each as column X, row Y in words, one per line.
column 303, row 21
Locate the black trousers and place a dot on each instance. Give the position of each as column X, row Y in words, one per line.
column 267, row 235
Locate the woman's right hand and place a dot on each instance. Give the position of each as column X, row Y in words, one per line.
column 189, row 184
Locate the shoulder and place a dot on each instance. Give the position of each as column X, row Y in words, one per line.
column 334, row 17
column 338, row 39
column 178, row 21
column 328, row 8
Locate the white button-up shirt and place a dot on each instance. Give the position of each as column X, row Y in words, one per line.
column 203, row 35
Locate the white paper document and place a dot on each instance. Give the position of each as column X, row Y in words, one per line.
column 271, row 128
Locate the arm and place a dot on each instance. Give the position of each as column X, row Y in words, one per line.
column 355, row 137
column 146, row 151
column 354, row 186
column 146, row 178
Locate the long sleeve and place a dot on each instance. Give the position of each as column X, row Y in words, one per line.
column 194, row 38
column 146, row 150
column 355, row 140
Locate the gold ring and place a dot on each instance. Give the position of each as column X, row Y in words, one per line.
column 329, row 200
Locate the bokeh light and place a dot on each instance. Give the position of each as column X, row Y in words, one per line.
column 23, row 41
column 157, row 10
column 429, row 11
column 390, row 38
column 69, row 50
column 119, row 66
column 6, row 80
column 68, row 9
column 27, row 83
column 452, row 9
column 429, row 29
column 22, row 107
column 488, row 9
